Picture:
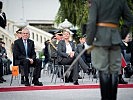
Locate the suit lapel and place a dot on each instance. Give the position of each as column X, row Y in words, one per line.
column 22, row 44
column 28, row 46
column 64, row 45
column 71, row 44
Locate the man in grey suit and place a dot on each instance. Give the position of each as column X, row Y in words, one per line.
column 102, row 32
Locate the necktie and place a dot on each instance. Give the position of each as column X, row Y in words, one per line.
column 25, row 45
column 83, row 45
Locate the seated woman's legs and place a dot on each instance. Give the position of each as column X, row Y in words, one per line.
column 83, row 65
column 68, row 61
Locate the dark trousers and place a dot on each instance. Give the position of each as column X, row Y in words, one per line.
column 37, row 65
column 38, row 68
column 82, row 63
column 1, row 68
column 69, row 60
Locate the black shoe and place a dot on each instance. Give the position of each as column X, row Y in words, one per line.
column 22, row 82
column 75, row 83
column 127, row 75
column 79, row 77
column 37, row 83
column 88, row 71
column 95, row 76
column 121, row 81
column 2, row 79
column 27, row 83
column 70, row 80
column 33, row 81
column 66, row 80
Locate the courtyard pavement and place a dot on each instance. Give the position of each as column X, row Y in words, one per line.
column 87, row 90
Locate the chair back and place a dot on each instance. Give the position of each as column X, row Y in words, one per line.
column 15, row 70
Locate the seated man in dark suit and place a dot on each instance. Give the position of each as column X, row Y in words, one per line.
column 24, row 54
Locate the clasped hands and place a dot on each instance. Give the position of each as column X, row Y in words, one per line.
column 31, row 60
column 71, row 54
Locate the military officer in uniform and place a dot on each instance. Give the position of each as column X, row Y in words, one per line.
column 2, row 16
column 102, row 32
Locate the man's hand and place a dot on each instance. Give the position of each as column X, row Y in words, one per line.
column 31, row 60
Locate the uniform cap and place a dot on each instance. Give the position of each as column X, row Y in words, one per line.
column 19, row 31
column 82, row 36
column 58, row 32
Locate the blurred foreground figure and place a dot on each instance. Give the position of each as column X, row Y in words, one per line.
column 102, row 32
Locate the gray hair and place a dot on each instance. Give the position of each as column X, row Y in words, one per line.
column 25, row 28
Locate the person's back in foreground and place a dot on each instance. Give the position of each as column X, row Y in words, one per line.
column 103, row 33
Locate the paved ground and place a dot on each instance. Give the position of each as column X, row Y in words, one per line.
column 62, row 94
column 46, row 79
column 80, row 94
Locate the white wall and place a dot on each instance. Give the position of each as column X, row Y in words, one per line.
column 17, row 10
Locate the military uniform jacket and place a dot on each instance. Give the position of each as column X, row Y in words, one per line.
column 3, row 20
column 100, row 12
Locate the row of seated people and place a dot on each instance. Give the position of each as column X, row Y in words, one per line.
column 126, row 51
column 5, row 62
column 64, row 51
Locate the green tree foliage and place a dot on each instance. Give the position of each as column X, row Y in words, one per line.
column 76, row 11
column 130, row 3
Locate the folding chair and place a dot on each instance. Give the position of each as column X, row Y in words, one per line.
column 57, row 70
column 31, row 74
column 93, row 73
